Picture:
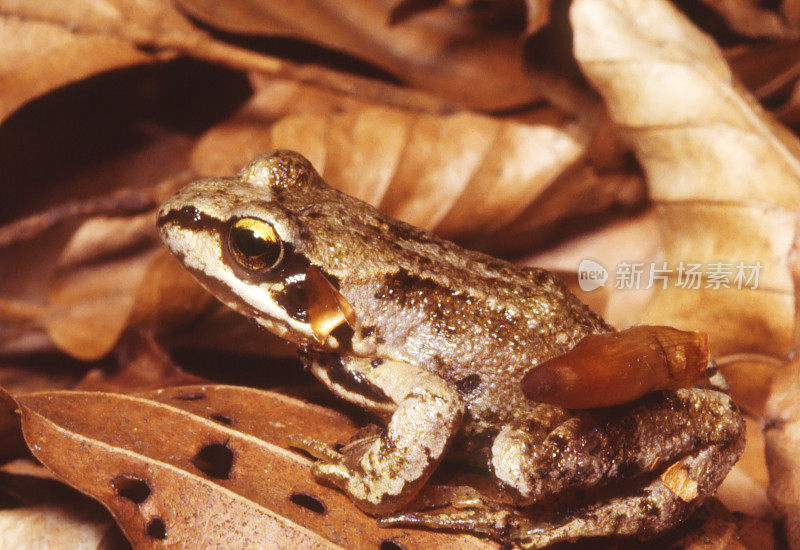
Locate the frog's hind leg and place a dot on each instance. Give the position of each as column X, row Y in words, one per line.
column 661, row 456
column 642, row 472
column 651, row 510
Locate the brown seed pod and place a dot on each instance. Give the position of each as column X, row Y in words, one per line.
column 618, row 367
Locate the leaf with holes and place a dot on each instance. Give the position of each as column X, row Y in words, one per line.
column 204, row 466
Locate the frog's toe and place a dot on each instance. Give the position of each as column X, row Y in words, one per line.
column 502, row 523
column 335, row 474
column 315, row 448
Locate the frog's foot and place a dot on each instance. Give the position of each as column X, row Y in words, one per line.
column 334, row 467
column 648, row 464
column 441, row 496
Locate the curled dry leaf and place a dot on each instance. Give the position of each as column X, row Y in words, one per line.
column 782, row 437
column 724, row 177
column 39, row 56
column 758, row 19
column 200, row 466
column 153, row 26
column 441, row 50
column 463, row 175
column 92, row 302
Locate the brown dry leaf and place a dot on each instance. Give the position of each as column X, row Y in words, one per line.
column 52, row 527
column 148, row 23
column 724, row 177
column 38, row 56
column 760, row 19
column 439, row 172
column 50, row 248
column 715, row 528
column 115, row 275
column 144, row 365
column 463, row 175
column 782, row 435
column 633, row 239
column 11, row 442
column 199, row 465
column 159, row 27
column 444, row 51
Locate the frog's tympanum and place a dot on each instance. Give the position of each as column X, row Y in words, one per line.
column 435, row 340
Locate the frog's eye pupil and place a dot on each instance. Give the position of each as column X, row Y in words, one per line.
column 249, row 243
column 254, row 244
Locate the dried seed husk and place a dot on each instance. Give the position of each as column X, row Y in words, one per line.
column 609, row 369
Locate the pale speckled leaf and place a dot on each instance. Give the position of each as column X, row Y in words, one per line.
column 782, row 435
column 51, row 527
column 724, row 176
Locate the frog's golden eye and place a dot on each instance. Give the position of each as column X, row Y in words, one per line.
column 255, row 245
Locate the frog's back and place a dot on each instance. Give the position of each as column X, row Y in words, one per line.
column 477, row 321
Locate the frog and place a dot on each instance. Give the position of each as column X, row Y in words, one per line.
column 433, row 339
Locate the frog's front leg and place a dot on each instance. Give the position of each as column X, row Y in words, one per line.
column 382, row 473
